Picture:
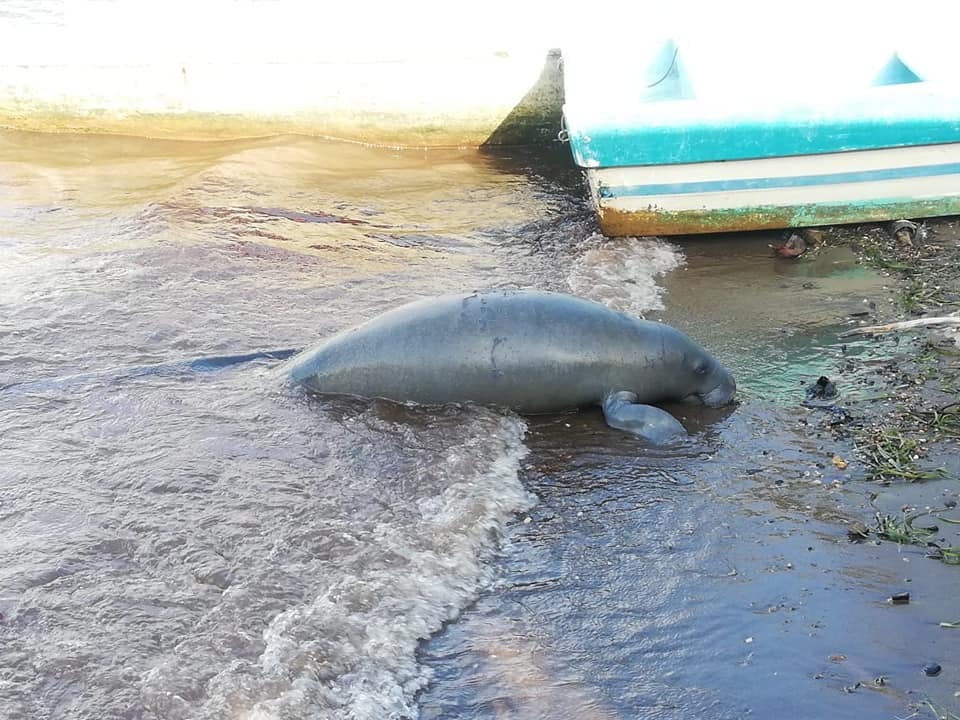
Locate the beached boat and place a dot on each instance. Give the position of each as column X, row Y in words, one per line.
column 383, row 73
column 717, row 135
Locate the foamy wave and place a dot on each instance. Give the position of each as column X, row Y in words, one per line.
column 351, row 652
column 622, row 273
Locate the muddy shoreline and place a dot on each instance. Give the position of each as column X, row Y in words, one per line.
column 894, row 405
column 905, row 434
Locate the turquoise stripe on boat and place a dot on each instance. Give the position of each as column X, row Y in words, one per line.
column 767, row 183
column 653, row 145
column 669, row 132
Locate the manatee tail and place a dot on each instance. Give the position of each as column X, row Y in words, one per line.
column 218, row 362
column 175, row 367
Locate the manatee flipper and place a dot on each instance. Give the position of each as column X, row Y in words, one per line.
column 623, row 412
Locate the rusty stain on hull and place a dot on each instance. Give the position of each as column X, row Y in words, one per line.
column 619, row 223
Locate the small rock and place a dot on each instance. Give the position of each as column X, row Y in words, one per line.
column 931, row 669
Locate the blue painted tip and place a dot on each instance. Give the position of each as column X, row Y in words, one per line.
column 896, row 72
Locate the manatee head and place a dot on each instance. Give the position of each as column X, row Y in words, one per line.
column 695, row 375
column 717, row 386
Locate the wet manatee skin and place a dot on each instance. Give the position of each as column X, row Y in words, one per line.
column 531, row 351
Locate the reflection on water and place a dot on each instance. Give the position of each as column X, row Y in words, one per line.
column 185, row 544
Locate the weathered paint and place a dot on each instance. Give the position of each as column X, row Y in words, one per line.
column 771, row 193
column 652, row 221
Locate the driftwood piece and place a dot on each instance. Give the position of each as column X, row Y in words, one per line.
column 939, row 321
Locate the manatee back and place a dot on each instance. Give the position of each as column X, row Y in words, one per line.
column 530, row 351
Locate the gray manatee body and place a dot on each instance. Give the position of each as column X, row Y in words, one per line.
column 531, row 351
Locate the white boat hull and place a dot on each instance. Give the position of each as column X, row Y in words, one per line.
column 778, row 192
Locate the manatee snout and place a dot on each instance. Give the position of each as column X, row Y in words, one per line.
column 719, row 390
column 723, row 391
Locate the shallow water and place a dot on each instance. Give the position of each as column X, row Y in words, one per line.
column 186, row 544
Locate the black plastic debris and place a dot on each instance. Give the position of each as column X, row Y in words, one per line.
column 823, row 389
